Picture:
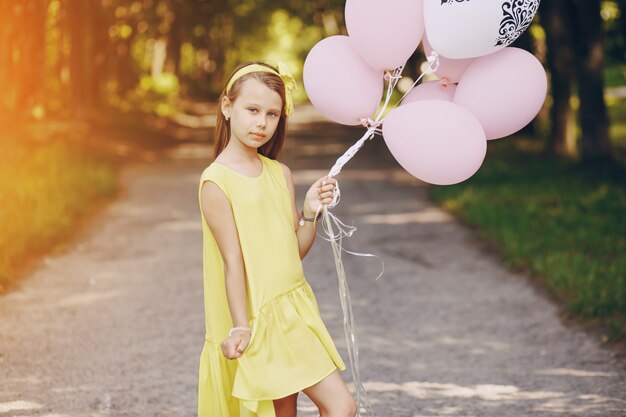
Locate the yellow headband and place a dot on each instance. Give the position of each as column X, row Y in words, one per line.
column 283, row 73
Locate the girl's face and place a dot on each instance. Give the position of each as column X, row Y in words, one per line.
column 254, row 115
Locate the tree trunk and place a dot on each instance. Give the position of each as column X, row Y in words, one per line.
column 7, row 72
column 525, row 42
column 560, row 60
column 32, row 59
column 101, row 42
column 126, row 74
column 174, row 40
column 589, row 50
column 622, row 18
column 77, row 54
column 220, row 42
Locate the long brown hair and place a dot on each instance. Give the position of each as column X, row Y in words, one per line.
column 272, row 148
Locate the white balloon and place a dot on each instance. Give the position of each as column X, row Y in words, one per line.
column 471, row 28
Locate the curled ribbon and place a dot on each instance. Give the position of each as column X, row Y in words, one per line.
column 331, row 222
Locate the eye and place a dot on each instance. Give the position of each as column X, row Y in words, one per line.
column 252, row 109
column 273, row 114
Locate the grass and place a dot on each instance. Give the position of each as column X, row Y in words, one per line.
column 562, row 222
column 46, row 187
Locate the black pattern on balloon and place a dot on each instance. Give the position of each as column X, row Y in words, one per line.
column 518, row 15
column 452, row 1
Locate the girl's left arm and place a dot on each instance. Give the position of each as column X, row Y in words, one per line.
column 321, row 192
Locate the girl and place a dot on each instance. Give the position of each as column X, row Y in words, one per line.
column 265, row 340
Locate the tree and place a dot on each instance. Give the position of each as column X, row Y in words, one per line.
column 560, row 62
column 576, row 57
column 76, row 13
column 22, row 25
column 588, row 45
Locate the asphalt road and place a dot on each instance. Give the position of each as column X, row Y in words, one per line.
column 114, row 325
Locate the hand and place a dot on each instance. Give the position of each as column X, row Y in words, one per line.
column 234, row 346
column 321, row 192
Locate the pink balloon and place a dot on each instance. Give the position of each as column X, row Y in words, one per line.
column 431, row 90
column 452, row 69
column 436, row 141
column 339, row 83
column 385, row 33
column 504, row 90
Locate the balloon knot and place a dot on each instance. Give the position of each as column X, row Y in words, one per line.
column 433, row 61
column 387, row 76
column 369, row 123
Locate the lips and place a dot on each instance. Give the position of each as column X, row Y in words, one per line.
column 259, row 135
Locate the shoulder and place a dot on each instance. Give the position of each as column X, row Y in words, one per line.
column 279, row 165
column 214, row 198
column 213, row 180
column 285, row 169
column 286, row 172
column 212, row 173
column 209, row 171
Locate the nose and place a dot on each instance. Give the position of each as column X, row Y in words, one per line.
column 261, row 121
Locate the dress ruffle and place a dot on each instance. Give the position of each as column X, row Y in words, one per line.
column 216, row 380
column 216, row 376
column 290, row 349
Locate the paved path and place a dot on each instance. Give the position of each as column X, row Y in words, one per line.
column 114, row 326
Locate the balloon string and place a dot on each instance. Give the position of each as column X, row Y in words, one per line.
column 433, row 66
column 363, row 404
column 344, row 230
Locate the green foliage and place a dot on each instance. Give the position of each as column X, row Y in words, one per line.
column 45, row 188
column 285, row 38
column 615, row 43
column 561, row 221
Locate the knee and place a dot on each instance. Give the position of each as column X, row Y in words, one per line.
column 346, row 408
column 350, row 408
column 284, row 412
column 287, row 407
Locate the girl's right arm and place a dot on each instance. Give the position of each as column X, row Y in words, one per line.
column 219, row 217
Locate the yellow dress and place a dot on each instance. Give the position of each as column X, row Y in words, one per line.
column 290, row 348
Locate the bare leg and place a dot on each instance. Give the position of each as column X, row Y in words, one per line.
column 332, row 397
column 287, row 407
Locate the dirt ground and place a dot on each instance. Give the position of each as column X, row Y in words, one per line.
column 114, row 325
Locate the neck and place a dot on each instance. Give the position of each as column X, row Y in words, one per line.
column 238, row 151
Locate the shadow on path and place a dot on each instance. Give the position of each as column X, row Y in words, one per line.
column 115, row 325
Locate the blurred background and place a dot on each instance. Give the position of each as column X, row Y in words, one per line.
column 86, row 85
